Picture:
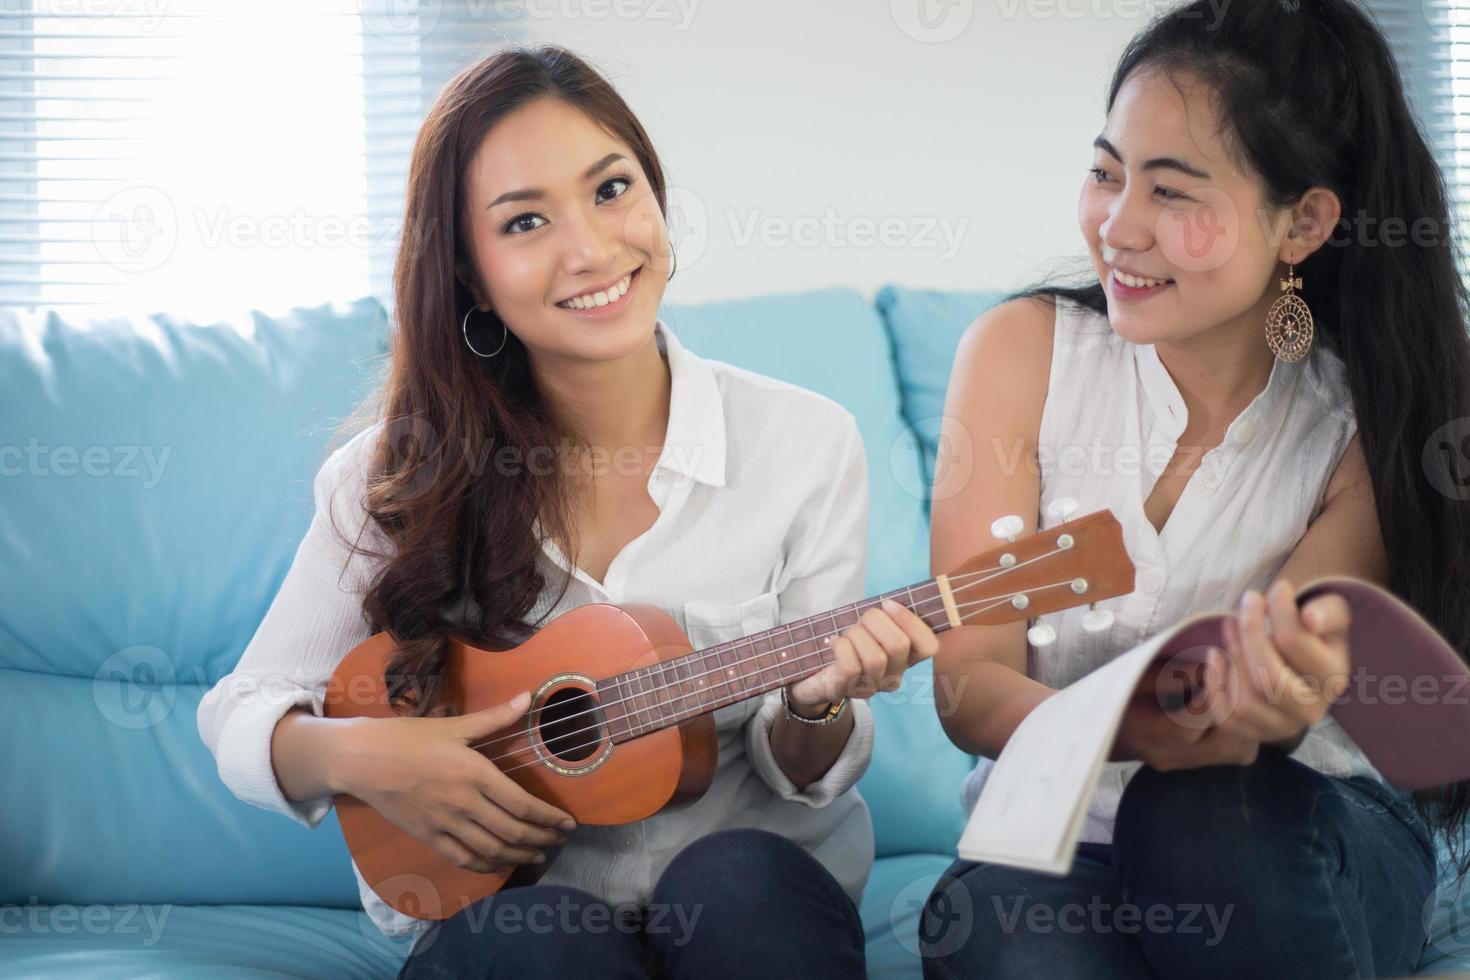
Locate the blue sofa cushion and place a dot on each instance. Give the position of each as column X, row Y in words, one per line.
column 165, row 481
column 158, row 478
column 122, row 803
column 926, row 326
column 225, row 942
column 912, row 787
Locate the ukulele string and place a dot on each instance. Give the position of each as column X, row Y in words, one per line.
column 598, row 740
column 987, row 574
column 992, row 603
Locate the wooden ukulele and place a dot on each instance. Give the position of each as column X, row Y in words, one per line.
column 620, row 722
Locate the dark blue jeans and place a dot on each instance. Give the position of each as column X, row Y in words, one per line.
column 736, row 903
column 1260, row 871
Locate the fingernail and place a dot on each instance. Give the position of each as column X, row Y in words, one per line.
column 891, row 607
column 520, row 700
column 539, row 858
column 569, row 825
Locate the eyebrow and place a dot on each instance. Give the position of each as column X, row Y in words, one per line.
column 533, row 194
column 1157, row 163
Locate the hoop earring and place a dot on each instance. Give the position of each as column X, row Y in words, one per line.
column 673, row 264
column 464, row 328
column 1289, row 321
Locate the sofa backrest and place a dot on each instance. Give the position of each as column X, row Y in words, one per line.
column 157, row 479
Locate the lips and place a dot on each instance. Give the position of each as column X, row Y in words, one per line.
column 604, row 302
column 598, row 296
column 1137, row 280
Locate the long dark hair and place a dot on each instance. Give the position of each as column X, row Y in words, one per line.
column 1312, row 96
column 459, row 531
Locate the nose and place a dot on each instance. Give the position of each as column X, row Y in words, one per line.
column 593, row 240
column 1129, row 225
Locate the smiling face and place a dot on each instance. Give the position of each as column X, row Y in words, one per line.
column 1165, row 201
column 569, row 245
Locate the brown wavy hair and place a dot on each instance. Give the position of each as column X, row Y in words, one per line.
column 456, row 532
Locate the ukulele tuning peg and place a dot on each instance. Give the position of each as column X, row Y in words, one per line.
column 1006, row 528
column 1041, row 635
column 1096, row 620
column 1061, row 510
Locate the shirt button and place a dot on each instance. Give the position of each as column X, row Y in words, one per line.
column 1151, row 580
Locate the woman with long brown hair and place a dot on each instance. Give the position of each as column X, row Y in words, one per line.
column 542, row 442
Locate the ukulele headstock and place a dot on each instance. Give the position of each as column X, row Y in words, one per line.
column 1072, row 564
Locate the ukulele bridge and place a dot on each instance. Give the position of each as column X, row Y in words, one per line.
column 566, row 726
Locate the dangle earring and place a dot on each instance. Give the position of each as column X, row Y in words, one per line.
column 1289, row 321
column 464, row 328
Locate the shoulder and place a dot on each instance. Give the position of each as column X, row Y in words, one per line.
column 342, row 479
column 1332, row 427
column 1351, row 479
column 1004, row 357
column 1327, row 384
column 1023, row 327
column 758, row 407
column 1020, row 340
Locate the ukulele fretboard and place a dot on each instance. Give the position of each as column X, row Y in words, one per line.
column 660, row 695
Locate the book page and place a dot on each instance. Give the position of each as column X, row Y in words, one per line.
column 1031, row 808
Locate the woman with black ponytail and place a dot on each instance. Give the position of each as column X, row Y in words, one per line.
column 1265, row 382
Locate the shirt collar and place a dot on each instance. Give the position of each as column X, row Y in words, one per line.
column 694, row 444
column 1168, row 405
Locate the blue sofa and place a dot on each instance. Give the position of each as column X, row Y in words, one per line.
column 156, row 478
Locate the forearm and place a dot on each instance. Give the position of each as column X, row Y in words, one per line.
column 310, row 755
column 806, row 752
column 980, row 702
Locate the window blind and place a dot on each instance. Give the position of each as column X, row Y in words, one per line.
column 202, row 155
column 1431, row 43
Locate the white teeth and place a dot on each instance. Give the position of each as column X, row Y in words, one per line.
column 603, row 298
column 1137, row 282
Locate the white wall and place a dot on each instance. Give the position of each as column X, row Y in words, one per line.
column 820, row 120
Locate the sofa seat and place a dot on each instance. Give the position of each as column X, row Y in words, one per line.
column 248, row 942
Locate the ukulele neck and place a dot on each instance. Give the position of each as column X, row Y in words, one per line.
column 673, row 691
column 1081, row 561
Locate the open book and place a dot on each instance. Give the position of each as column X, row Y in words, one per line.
column 1407, row 707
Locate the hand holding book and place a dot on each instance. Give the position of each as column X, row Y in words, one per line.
column 1280, row 669
column 1404, row 700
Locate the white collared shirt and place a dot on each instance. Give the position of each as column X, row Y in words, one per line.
column 762, row 495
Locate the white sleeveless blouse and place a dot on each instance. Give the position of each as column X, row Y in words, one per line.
column 1110, row 425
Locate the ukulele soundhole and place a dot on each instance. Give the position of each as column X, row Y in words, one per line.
column 570, row 733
